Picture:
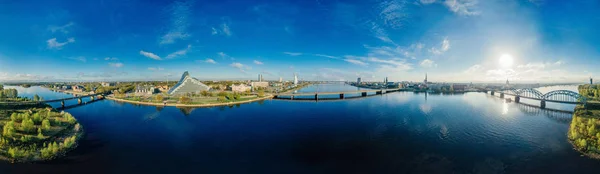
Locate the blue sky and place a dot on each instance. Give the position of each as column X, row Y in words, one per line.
column 451, row 40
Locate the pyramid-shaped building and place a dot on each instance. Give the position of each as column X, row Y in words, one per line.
column 187, row 85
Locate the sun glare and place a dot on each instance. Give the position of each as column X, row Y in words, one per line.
column 506, row 60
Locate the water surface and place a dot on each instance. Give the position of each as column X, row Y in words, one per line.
column 400, row 132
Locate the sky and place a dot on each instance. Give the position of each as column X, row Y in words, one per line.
column 541, row 41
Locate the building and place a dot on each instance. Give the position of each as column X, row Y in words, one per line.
column 78, row 88
column 188, row 85
column 280, row 79
column 358, row 80
column 145, row 90
column 163, row 88
column 240, row 88
column 107, row 84
column 591, row 81
column 295, row 79
column 260, row 78
column 259, row 84
column 425, row 81
column 65, row 87
column 459, row 87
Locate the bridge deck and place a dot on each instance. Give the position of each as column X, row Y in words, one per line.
column 533, row 98
column 50, row 101
column 335, row 93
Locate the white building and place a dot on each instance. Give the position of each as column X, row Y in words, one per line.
column 259, row 84
column 107, row 84
column 240, row 88
column 295, row 79
column 145, row 90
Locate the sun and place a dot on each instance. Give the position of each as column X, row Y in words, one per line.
column 506, row 60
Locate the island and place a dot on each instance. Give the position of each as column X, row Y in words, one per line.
column 584, row 131
column 35, row 132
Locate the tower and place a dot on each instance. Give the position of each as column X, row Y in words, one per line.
column 591, row 81
column 280, row 79
column 259, row 77
column 295, row 79
column 358, row 80
column 507, row 83
column 425, row 81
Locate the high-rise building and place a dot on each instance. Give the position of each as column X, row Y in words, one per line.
column 385, row 81
column 358, row 80
column 260, row 77
column 280, row 79
column 295, row 79
column 591, row 81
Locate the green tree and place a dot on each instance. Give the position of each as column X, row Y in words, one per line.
column 205, row 93
column 8, row 130
column 261, row 93
column 37, row 118
column 28, row 125
column 1, row 87
column 159, row 98
column 46, row 125
column 40, row 135
column 36, row 97
column 184, row 100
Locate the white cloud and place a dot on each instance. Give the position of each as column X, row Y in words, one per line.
column 63, row 29
column 214, row 31
column 180, row 12
column 445, row 46
column 356, row 62
column 226, row 29
column 327, row 56
column 53, row 44
column 473, row 69
column 223, row 56
column 380, row 33
column 223, row 29
column 427, row 1
column 111, row 58
column 292, row 53
column 80, row 58
column 428, row 63
column 155, row 69
column 209, row 60
column 150, row 55
column 462, row 7
column 116, row 65
column 240, row 66
column 178, row 53
column 392, row 13
column 258, row 62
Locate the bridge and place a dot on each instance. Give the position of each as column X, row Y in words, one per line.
column 342, row 95
column 62, row 100
column 557, row 96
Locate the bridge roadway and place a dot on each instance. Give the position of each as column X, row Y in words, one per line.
column 364, row 93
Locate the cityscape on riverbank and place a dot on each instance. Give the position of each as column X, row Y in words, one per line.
column 300, row 87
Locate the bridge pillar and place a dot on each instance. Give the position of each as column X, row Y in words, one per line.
column 317, row 97
column 341, row 95
column 62, row 103
column 364, row 94
column 78, row 100
column 501, row 95
column 543, row 104
column 379, row 92
column 517, row 99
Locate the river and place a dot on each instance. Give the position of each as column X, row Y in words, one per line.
column 401, row 132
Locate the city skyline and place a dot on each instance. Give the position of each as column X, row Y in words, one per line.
column 451, row 40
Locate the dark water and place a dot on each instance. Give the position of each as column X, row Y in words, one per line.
column 393, row 133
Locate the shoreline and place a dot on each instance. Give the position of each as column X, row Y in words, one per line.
column 269, row 96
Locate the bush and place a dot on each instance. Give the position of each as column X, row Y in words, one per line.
column 9, row 129
column 184, row 100
column 222, row 94
column 261, row 93
column 205, row 93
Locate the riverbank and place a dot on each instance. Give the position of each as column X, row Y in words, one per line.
column 584, row 131
column 37, row 134
column 268, row 96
